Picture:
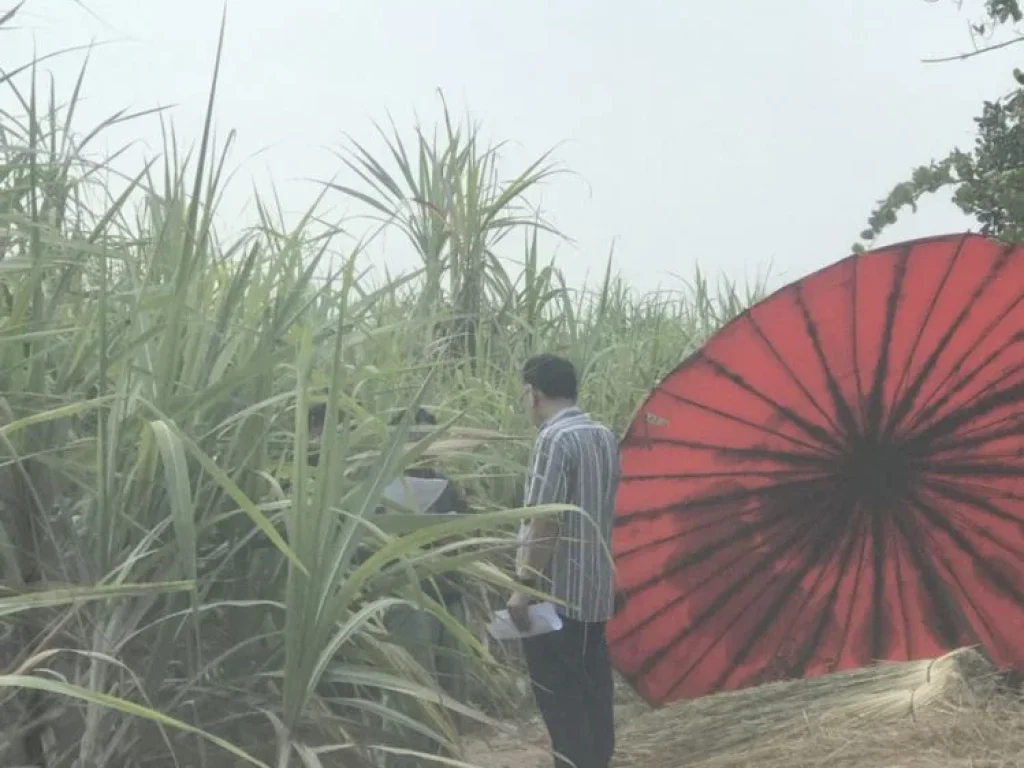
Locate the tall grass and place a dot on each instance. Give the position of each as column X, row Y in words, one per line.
column 179, row 583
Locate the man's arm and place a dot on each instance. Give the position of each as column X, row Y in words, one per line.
column 546, row 486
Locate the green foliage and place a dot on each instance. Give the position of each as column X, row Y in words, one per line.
column 987, row 182
column 179, row 584
column 988, row 16
column 1003, row 11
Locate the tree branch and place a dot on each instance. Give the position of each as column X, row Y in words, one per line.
column 977, row 52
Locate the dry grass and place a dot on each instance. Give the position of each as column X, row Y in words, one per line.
column 947, row 713
column 973, row 737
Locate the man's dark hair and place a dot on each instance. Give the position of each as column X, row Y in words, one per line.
column 423, row 416
column 552, row 376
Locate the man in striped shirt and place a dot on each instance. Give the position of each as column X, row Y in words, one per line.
column 575, row 461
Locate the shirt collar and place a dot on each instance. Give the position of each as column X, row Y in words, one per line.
column 569, row 410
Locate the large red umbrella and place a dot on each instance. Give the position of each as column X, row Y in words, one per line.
column 835, row 478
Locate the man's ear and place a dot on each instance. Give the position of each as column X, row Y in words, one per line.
column 535, row 398
column 531, row 394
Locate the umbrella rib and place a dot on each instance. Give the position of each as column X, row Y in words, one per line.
column 828, row 611
column 843, row 412
column 903, row 407
column 811, row 430
column 781, row 597
column 875, row 405
column 948, row 425
column 969, row 437
column 741, row 420
column 656, row 543
column 992, row 491
column 878, row 569
column 957, row 584
column 1007, row 425
column 927, row 318
column 905, row 548
column 943, row 610
column 723, row 600
column 653, row 659
column 930, row 406
column 625, row 516
column 734, row 496
column 953, row 581
column 986, row 624
column 980, row 469
column 855, row 341
column 952, row 495
column 783, row 457
column 853, row 601
column 699, row 556
column 774, row 474
column 763, row 564
column 661, row 542
column 790, row 372
column 696, row 558
column 826, row 614
column 976, row 441
column 756, row 634
column 994, row 435
column 901, row 599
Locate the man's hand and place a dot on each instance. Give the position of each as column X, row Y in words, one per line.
column 519, row 610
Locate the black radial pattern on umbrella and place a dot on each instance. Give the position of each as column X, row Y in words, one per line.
column 880, row 512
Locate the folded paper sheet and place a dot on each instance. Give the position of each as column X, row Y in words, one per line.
column 543, row 619
column 415, row 493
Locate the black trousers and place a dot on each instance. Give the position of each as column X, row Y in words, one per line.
column 572, row 682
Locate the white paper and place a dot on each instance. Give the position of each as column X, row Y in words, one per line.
column 543, row 619
column 415, row 493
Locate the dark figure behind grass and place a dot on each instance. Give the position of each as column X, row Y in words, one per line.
column 426, row 639
column 451, row 499
column 419, row 631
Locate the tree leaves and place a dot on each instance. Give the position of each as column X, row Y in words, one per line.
column 987, row 181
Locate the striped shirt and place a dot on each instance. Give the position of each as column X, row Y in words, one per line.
column 575, row 460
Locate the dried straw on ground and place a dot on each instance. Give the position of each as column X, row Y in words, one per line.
column 945, row 713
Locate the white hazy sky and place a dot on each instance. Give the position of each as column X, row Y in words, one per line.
column 724, row 133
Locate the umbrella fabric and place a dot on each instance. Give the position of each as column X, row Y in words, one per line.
column 835, row 478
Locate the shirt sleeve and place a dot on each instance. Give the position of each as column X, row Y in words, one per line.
column 548, row 464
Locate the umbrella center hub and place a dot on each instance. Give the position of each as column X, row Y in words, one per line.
column 879, row 472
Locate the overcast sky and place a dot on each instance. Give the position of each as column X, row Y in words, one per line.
column 729, row 133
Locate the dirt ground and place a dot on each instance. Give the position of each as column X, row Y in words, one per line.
column 525, row 744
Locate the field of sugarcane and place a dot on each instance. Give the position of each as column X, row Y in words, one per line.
column 178, row 584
